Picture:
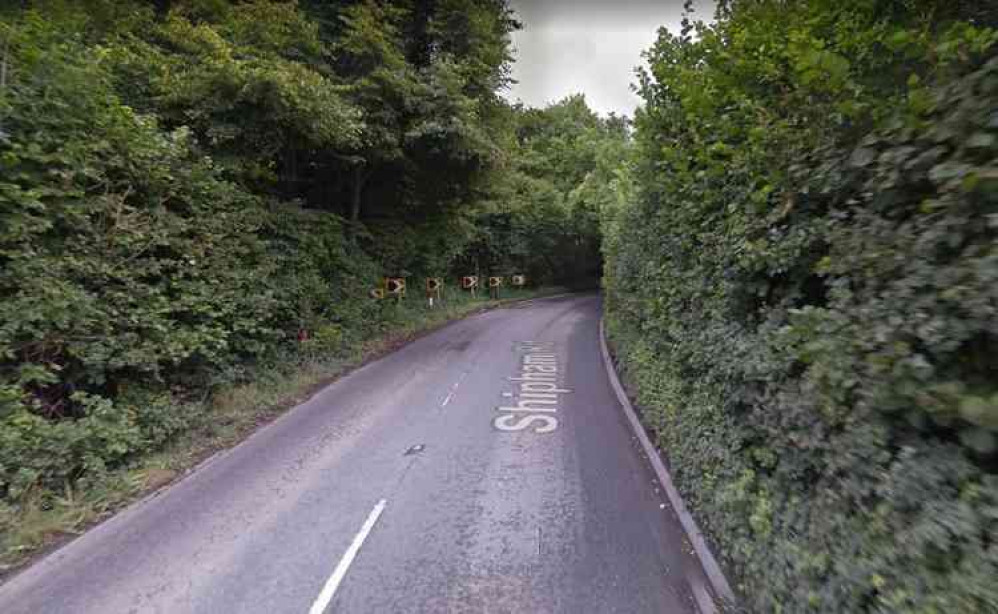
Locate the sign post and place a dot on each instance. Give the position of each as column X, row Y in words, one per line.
column 494, row 284
column 470, row 283
column 434, row 287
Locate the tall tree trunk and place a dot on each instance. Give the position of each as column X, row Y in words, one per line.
column 3, row 74
column 3, row 67
column 288, row 175
column 359, row 178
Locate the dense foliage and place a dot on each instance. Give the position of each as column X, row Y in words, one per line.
column 542, row 216
column 799, row 231
column 193, row 188
column 803, row 291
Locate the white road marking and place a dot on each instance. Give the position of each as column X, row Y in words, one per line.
column 322, row 601
column 539, row 383
column 453, row 388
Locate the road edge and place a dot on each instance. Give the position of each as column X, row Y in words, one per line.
column 715, row 576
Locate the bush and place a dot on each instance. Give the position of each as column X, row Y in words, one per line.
column 39, row 452
column 804, row 297
column 126, row 261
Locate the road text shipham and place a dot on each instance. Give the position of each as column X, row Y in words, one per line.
column 537, row 396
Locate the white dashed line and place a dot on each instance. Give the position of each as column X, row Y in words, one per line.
column 453, row 389
column 322, row 601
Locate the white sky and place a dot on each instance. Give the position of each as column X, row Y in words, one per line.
column 588, row 46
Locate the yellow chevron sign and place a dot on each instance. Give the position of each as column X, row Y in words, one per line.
column 395, row 285
column 433, row 284
column 519, row 280
column 495, row 282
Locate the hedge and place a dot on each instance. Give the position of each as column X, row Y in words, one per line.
column 804, row 297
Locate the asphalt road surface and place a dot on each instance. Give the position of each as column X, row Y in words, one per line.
column 486, row 467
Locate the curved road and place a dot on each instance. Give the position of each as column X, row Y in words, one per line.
column 405, row 487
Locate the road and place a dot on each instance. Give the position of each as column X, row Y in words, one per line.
column 402, row 488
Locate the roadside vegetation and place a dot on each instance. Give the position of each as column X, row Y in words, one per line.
column 218, row 418
column 802, row 287
column 197, row 197
column 796, row 237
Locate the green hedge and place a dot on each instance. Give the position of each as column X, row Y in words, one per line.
column 133, row 273
column 804, row 296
